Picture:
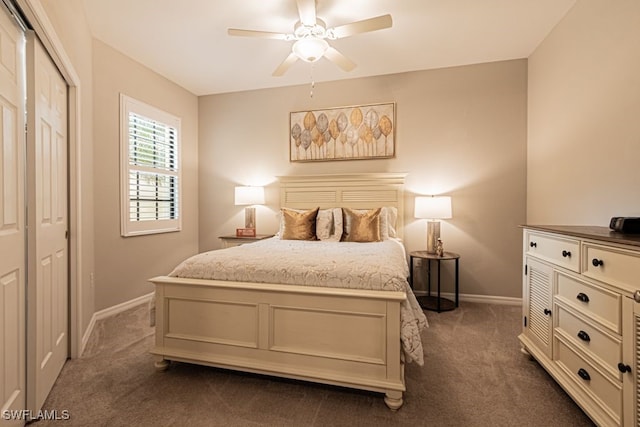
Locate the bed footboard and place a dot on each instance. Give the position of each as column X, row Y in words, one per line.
column 334, row 336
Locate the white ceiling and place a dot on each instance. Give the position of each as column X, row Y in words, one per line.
column 186, row 41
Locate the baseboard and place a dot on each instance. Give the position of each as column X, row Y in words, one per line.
column 112, row 311
column 87, row 334
column 483, row 299
column 489, row 299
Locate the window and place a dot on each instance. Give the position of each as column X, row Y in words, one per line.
column 149, row 169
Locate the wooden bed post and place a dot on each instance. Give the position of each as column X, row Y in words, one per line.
column 161, row 363
column 393, row 399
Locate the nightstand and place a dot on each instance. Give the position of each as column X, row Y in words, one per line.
column 233, row 240
column 435, row 303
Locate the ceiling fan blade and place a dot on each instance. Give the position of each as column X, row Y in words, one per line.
column 253, row 33
column 339, row 59
column 307, row 11
column 364, row 26
column 286, row 64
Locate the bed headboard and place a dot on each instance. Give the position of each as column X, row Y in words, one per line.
column 357, row 191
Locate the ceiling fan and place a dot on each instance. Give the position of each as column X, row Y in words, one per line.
column 311, row 34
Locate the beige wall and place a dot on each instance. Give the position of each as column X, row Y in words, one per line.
column 71, row 27
column 123, row 265
column 460, row 131
column 584, row 117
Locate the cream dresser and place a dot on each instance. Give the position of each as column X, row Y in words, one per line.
column 581, row 316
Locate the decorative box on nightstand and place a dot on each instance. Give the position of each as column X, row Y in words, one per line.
column 233, row 240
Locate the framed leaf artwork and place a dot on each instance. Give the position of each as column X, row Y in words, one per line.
column 343, row 133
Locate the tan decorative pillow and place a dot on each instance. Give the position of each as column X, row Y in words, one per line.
column 364, row 225
column 299, row 225
column 388, row 220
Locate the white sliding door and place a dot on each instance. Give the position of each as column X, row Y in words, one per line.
column 12, row 220
column 48, row 287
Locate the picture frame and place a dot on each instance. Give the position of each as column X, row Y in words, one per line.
column 359, row 132
column 245, row 232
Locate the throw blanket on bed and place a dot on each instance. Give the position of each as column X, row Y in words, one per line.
column 373, row 266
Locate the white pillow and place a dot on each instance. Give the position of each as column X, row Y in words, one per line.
column 388, row 220
column 329, row 225
column 392, row 218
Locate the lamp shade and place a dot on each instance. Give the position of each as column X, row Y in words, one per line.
column 249, row 196
column 433, row 207
column 310, row 49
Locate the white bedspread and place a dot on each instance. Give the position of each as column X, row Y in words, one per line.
column 375, row 266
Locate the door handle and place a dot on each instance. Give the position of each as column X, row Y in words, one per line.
column 584, row 336
column 584, row 374
column 583, row 297
column 624, row 368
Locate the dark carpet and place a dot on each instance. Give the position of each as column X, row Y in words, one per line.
column 474, row 375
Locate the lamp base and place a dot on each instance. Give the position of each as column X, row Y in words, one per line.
column 433, row 234
column 250, row 217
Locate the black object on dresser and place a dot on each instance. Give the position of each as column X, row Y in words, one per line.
column 625, row 224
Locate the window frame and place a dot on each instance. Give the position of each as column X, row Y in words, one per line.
column 128, row 227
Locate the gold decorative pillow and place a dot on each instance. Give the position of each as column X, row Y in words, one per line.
column 364, row 226
column 299, row 225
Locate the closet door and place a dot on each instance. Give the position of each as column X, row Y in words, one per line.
column 48, row 288
column 12, row 219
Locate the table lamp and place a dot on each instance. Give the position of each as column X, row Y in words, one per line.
column 433, row 208
column 249, row 196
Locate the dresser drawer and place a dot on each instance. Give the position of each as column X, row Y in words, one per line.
column 594, row 301
column 603, row 347
column 618, row 267
column 559, row 251
column 606, row 392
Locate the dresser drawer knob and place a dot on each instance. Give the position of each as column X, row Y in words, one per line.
column 583, row 297
column 547, row 312
column 584, row 336
column 624, row 368
column 533, row 244
column 636, row 296
column 584, row 374
column 566, row 254
column 597, row 262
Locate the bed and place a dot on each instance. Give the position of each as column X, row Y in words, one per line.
column 342, row 335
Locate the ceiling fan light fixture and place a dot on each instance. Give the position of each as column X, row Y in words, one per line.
column 310, row 49
column 310, row 35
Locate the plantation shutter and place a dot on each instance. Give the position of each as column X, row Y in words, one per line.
column 151, row 203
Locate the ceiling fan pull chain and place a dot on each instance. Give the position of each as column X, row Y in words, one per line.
column 313, row 83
